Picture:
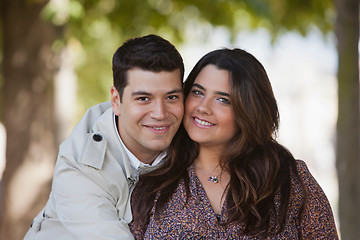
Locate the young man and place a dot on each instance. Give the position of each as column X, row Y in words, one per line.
column 99, row 163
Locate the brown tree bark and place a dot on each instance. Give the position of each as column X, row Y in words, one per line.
column 27, row 98
column 348, row 123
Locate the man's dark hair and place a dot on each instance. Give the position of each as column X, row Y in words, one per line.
column 151, row 53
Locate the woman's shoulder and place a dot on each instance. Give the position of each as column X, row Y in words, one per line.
column 317, row 219
column 306, row 176
column 303, row 175
column 302, row 167
column 300, row 163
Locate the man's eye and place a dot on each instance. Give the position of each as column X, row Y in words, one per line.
column 142, row 99
column 173, row 97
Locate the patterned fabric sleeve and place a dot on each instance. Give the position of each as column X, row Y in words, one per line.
column 137, row 229
column 318, row 220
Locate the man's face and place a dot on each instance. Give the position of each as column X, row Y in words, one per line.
column 150, row 112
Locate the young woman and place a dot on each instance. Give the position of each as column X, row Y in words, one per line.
column 226, row 177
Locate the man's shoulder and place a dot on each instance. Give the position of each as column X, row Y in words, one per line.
column 99, row 108
column 90, row 117
column 95, row 112
column 84, row 128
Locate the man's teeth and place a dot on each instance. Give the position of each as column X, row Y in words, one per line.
column 158, row 128
column 203, row 122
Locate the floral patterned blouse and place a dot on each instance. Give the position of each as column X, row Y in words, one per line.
column 197, row 220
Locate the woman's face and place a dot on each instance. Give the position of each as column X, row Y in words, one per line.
column 208, row 117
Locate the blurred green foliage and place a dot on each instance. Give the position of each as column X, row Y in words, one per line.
column 95, row 28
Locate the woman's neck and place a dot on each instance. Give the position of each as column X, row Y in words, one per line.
column 208, row 159
column 213, row 179
column 210, row 155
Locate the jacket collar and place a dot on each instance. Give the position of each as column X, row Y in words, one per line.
column 104, row 126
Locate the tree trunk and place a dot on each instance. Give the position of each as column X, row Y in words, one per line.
column 28, row 68
column 348, row 124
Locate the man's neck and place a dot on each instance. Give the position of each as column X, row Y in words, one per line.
column 147, row 158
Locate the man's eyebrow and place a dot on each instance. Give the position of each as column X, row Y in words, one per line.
column 144, row 93
column 217, row 92
column 137, row 93
column 178, row 90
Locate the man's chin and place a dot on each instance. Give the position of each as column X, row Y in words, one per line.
column 159, row 147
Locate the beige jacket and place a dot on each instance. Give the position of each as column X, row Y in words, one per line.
column 91, row 186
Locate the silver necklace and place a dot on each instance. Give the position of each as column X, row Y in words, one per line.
column 212, row 178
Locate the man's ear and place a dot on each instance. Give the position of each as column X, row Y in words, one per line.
column 115, row 100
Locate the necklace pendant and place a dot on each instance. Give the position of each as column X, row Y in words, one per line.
column 213, row 179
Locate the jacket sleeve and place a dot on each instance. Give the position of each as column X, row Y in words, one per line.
column 87, row 209
column 317, row 220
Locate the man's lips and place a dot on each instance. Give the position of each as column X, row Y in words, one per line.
column 158, row 129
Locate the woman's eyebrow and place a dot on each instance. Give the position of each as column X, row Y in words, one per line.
column 225, row 94
column 199, row 86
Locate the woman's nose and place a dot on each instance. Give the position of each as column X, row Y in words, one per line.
column 204, row 106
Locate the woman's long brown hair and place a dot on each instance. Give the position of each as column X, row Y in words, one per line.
column 259, row 167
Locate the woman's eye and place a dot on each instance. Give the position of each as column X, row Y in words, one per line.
column 224, row 100
column 197, row 92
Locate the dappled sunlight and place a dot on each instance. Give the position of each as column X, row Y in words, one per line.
column 60, row 11
column 32, row 176
column 65, row 86
column 35, row 170
column 24, row 187
column 78, row 39
column 163, row 6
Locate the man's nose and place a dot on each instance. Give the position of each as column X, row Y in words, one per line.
column 159, row 111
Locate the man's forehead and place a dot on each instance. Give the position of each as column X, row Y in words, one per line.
column 139, row 74
column 141, row 82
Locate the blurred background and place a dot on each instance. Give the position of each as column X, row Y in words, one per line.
column 55, row 61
